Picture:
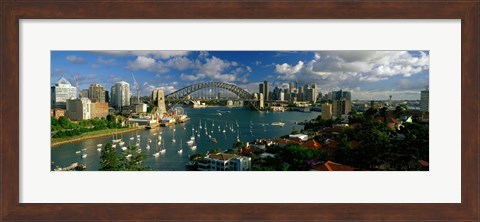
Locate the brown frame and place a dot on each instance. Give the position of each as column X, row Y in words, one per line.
column 12, row 11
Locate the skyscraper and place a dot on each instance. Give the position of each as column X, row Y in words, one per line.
column 265, row 85
column 61, row 92
column 342, row 103
column 96, row 93
column 120, row 95
column 424, row 100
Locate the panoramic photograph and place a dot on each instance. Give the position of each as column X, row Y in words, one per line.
column 163, row 110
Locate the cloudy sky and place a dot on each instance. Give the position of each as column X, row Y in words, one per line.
column 367, row 74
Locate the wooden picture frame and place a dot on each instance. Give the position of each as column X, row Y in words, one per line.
column 12, row 11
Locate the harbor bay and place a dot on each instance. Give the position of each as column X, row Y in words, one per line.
column 222, row 124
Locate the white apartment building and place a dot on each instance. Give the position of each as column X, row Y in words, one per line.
column 79, row 109
column 225, row 162
column 120, row 95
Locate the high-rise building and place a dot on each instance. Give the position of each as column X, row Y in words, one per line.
column 336, row 95
column 261, row 100
column 291, row 87
column 310, row 93
column 326, row 111
column 61, row 92
column 265, row 85
column 107, row 98
column 96, row 93
column 79, row 109
column 342, row 107
column 158, row 98
column 424, row 100
column 120, row 95
column 276, row 93
column 261, row 88
column 282, row 96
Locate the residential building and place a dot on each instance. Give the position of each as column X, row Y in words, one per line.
column 327, row 111
column 120, row 95
column 424, row 100
column 225, row 162
column 342, row 107
column 96, row 93
column 57, row 112
column 61, row 92
column 99, row 110
column 79, row 109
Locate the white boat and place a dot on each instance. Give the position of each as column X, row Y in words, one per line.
column 157, row 154
column 280, row 124
column 84, row 156
column 124, row 148
column 194, row 147
column 99, row 149
column 190, row 142
column 163, row 150
column 224, row 131
column 131, row 138
column 114, row 145
column 192, row 138
column 137, row 144
column 78, row 152
column 129, row 156
column 173, row 140
column 99, row 145
column 181, row 149
column 84, row 149
column 147, row 147
column 138, row 136
column 121, row 143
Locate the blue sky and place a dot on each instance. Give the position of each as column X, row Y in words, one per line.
column 367, row 74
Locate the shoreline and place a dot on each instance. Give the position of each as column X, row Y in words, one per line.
column 53, row 144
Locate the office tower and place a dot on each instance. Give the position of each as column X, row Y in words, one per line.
column 282, row 96
column 120, row 95
column 96, row 93
column 424, row 100
column 291, row 87
column 266, row 92
column 336, row 95
column 61, row 92
column 261, row 88
column 262, row 100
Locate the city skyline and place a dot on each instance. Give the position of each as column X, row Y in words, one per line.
column 367, row 74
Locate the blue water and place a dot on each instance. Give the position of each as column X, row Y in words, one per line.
column 64, row 155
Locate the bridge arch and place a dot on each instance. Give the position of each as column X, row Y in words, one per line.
column 184, row 92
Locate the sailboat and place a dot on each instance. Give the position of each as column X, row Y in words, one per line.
column 116, row 140
column 147, row 147
column 99, row 145
column 173, row 138
column 157, row 154
column 163, row 150
column 180, row 151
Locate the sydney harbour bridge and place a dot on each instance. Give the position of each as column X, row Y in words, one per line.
column 184, row 94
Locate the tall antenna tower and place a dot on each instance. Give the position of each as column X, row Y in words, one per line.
column 137, row 88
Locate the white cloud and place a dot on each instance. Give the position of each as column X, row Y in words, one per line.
column 191, row 77
column 288, row 69
column 147, row 63
column 180, row 63
column 157, row 54
column 76, row 60
column 105, row 61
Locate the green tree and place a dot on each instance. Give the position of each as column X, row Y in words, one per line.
column 109, row 160
column 133, row 160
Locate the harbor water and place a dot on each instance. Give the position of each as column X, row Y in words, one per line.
column 238, row 123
